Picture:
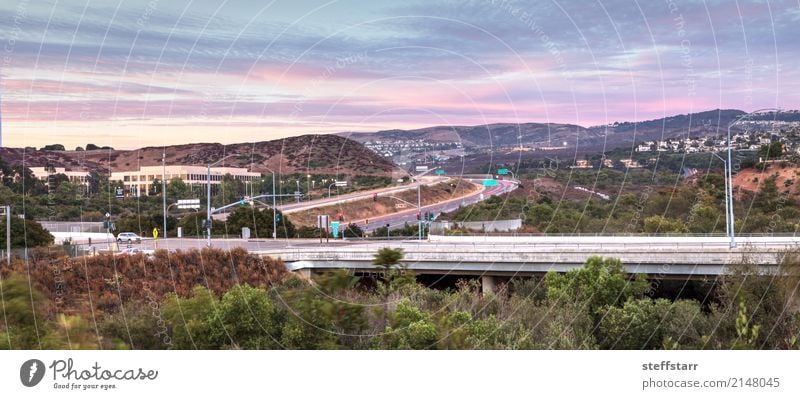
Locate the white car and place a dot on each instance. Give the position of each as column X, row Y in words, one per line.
column 129, row 238
column 130, row 251
column 135, row 251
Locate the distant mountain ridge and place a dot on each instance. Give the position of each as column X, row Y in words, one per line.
column 698, row 124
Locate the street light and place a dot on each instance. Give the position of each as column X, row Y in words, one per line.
column 164, row 188
column 732, row 221
column 419, row 198
column 274, row 214
column 208, row 202
column 308, row 181
column 727, row 210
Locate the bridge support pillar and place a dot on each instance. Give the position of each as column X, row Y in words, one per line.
column 488, row 284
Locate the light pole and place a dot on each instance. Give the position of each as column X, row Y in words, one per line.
column 308, row 182
column 732, row 221
column 727, row 209
column 274, row 212
column 298, row 190
column 164, row 188
column 208, row 199
column 419, row 198
column 329, row 188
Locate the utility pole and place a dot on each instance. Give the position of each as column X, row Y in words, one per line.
column 729, row 177
column 164, row 188
column 208, row 193
column 274, row 211
column 208, row 206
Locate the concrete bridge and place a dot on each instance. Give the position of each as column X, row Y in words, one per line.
column 493, row 258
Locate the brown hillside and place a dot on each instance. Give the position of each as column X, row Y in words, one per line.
column 321, row 154
column 785, row 178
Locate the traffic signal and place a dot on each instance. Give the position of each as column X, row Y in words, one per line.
column 418, row 216
column 375, row 197
column 277, row 217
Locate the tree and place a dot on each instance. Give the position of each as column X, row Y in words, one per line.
column 660, row 224
column 773, row 150
column 190, row 320
column 599, row 283
column 25, row 312
column 259, row 221
column 248, row 319
column 353, row 231
column 25, row 233
column 177, row 189
column 54, row 147
column 140, row 326
column 410, row 328
column 635, row 325
column 388, row 258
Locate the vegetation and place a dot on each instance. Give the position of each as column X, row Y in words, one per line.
column 647, row 204
column 213, row 299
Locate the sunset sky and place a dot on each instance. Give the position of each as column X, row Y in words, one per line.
column 138, row 73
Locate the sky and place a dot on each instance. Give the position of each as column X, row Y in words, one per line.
column 149, row 73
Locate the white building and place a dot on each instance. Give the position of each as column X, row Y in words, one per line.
column 75, row 177
column 138, row 182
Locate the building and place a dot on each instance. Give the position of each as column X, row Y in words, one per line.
column 581, row 164
column 630, row 163
column 78, row 178
column 138, row 182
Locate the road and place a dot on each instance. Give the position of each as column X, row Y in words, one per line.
column 410, row 216
column 467, row 244
column 360, row 195
column 504, row 256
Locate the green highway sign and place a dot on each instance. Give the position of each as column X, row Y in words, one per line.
column 335, row 229
column 489, row 182
column 440, row 171
column 502, row 171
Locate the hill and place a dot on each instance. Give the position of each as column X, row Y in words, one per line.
column 321, row 154
column 497, row 135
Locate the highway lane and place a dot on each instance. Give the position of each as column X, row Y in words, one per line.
column 360, row 195
column 409, row 216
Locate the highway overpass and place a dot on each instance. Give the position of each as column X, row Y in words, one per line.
column 494, row 258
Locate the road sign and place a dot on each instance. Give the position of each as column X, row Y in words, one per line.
column 341, row 183
column 489, row 182
column 322, row 221
column 439, row 172
column 189, row 204
column 335, row 229
column 189, row 201
column 421, row 168
column 120, row 192
column 502, row 171
column 155, row 233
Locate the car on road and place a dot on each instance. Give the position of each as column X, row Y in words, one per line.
column 136, row 251
column 129, row 237
column 129, row 251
